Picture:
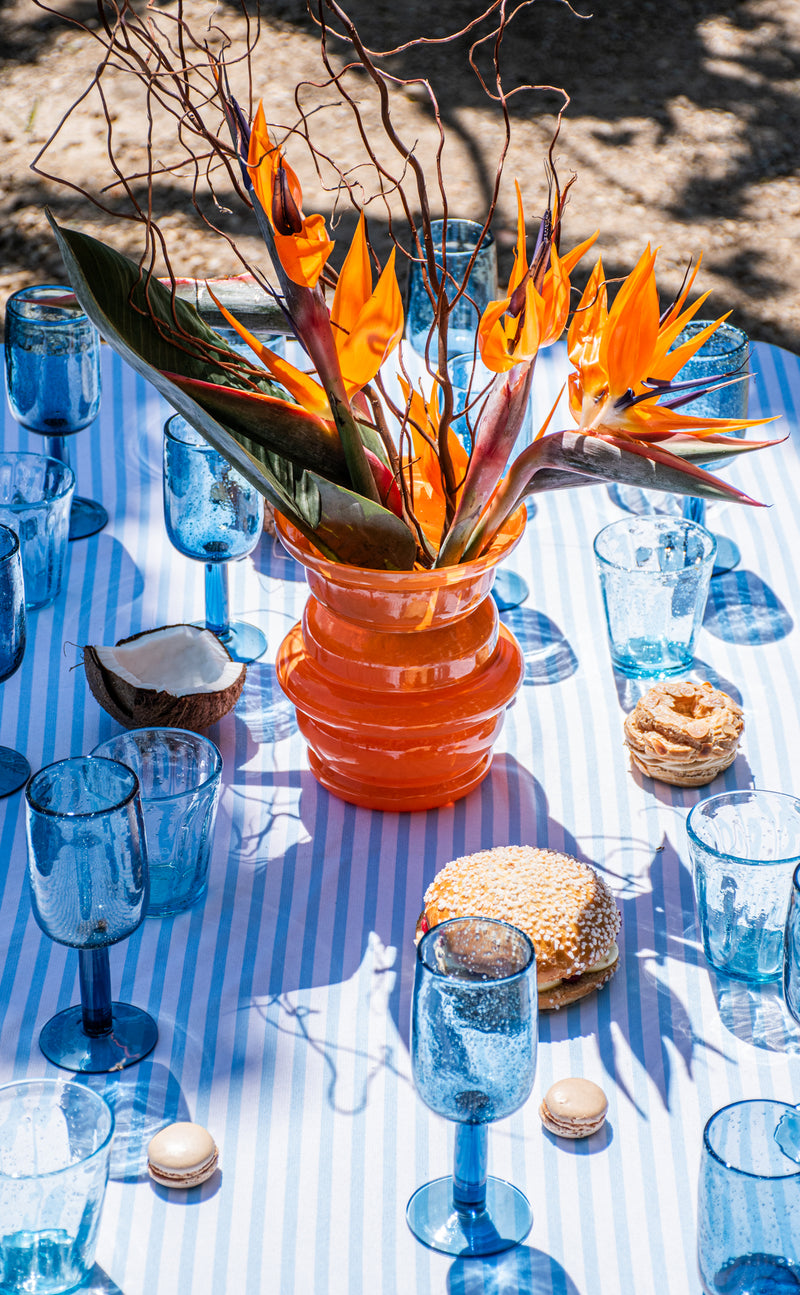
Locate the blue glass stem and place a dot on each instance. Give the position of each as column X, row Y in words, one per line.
column 470, row 1166
column 694, row 510
column 217, row 614
column 58, row 448
column 95, row 977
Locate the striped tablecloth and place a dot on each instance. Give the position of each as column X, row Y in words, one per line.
column 283, row 1000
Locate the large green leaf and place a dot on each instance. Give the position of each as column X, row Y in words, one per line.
column 273, row 423
column 138, row 315
column 347, row 527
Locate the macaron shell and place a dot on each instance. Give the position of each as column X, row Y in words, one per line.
column 185, row 1180
column 574, row 1108
column 571, row 1129
column 182, row 1155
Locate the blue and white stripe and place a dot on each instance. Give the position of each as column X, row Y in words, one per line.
column 283, row 1001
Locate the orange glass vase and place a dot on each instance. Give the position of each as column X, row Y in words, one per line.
column 401, row 679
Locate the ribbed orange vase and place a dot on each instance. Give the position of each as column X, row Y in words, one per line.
column 400, row 679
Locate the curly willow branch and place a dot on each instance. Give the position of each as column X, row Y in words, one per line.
column 183, row 74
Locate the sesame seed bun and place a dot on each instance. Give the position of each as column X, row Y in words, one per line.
column 563, row 905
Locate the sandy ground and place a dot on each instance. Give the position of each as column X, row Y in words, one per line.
column 683, row 129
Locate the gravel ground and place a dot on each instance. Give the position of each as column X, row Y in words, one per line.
column 682, row 128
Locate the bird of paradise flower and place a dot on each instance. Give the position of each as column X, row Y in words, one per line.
column 319, row 444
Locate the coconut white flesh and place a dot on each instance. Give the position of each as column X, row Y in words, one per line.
column 182, row 660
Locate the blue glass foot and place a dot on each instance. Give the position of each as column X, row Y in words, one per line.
column 14, row 771
column 64, row 1042
column 504, row 1222
column 86, row 518
column 509, row 590
column 245, row 642
column 728, row 556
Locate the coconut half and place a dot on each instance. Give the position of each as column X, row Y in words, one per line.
column 178, row 676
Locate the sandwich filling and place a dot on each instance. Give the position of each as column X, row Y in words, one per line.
column 607, row 961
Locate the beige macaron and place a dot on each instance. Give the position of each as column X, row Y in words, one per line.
column 573, row 1108
column 182, row 1155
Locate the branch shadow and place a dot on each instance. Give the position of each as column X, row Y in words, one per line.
column 143, row 1100
column 739, row 65
column 658, row 1030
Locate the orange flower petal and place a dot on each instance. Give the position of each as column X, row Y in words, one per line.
column 263, row 160
column 555, row 299
column 589, row 318
column 305, row 389
column 376, row 330
column 354, row 287
column 303, row 255
column 570, row 259
column 631, row 331
column 666, row 363
column 527, row 341
column 492, row 339
column 520, row 267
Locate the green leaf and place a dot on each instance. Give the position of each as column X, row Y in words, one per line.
column 274, row 424
column 346, row 526
column 138, row 315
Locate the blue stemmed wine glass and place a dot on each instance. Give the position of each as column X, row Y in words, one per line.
column 455, row 242
column 53, row 379
column 214, row 516
column 474, row 1031
column 87, row 866
column 725, row 351
column 14, row 768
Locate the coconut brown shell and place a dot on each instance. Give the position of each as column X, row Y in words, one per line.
column 149, row 708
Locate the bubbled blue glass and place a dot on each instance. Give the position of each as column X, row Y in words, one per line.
column 215, row 516
column 454, row 242
column 474, row 1031
column 52, row 355
column 14, row 768
column 89, row 883
column 748, row 1208
column 726, row 351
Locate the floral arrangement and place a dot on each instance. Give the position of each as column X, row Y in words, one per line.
column 370, row 477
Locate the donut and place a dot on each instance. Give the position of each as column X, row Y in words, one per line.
column 684, row 733
column 565, row 908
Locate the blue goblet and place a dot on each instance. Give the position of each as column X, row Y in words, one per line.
column 53, row 379
column 726, row 351
column 14, row 768
column 470, row 380
column 474, row 1030
column 455, row 242
column 214, row 516
column 87, row 867
column 748, row 1204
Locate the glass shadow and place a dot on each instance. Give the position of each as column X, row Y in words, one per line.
column 743, row 609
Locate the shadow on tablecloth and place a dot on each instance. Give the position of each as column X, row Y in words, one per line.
column 521, row 1271
column 743, row 609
